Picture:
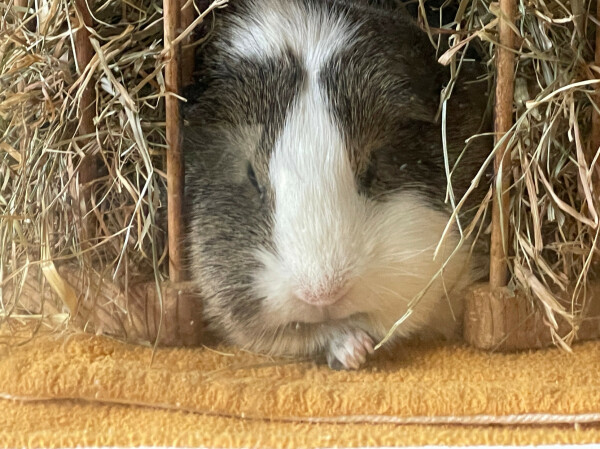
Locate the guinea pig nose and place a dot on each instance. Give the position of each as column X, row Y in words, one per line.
column 321, row 295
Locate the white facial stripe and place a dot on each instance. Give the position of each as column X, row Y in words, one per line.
column 318, row 212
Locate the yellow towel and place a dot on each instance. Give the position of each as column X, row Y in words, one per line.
column 237, row 399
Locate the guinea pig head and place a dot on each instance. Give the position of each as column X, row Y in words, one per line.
column 350, row 179
column 319, row 174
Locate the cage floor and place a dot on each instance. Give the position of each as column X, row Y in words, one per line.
column 95, row 392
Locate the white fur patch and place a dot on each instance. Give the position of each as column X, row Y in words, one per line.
column 403, row 234
column 388, row 251
column 274, row 26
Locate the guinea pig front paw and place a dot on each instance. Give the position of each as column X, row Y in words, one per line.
column 348, row 350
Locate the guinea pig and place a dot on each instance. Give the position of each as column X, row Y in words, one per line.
column 316, row 179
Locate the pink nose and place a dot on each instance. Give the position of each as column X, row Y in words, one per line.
column 322, row 295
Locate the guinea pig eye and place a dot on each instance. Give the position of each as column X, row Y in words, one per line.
column 369, row 175
column 254, row 181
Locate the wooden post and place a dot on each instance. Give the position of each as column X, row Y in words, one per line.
column 503, row 112
column 175, row 169
column 23, row 16
column 595, row 140
column 22, row 4
column 87, row 169
column 492, row 313
column 84, row 53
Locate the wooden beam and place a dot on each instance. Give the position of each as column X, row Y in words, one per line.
column 499, row 320
column 31, row 23
column 595, row 140
column 175, row 168
column 135, row 314
column 88, row 170
column 503, row 120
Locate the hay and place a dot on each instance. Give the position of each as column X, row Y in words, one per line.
column 40, row 91
column 554, row 207
column 553, row 215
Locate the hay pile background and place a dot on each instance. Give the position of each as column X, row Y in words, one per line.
column 44, row 224
column 41, row 224
column 554, row 197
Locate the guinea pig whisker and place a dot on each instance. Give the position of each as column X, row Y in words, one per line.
column 394, row 293
column 393, row 259
column 404, row 271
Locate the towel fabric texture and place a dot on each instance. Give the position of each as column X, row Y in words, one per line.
column 85, row 390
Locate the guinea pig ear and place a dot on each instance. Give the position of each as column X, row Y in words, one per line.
column 415, row 64
column 421, row 101
column 418, row 93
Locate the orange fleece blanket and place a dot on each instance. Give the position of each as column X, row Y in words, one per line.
column 421, row 394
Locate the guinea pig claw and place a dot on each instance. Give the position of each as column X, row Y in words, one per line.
column 368, row 344
column 349, row 350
